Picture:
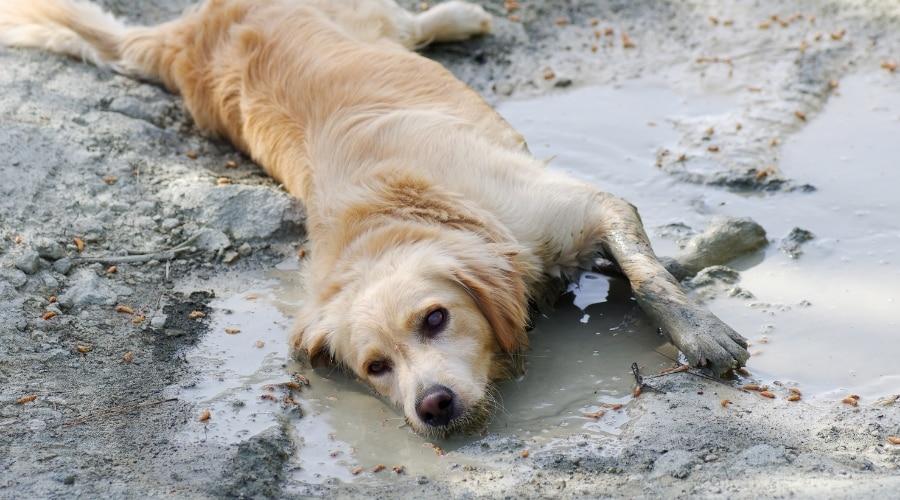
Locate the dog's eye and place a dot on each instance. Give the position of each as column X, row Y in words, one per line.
column 378, row 367
column 434, row 322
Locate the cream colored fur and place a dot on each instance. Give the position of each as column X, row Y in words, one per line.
column 418, row 194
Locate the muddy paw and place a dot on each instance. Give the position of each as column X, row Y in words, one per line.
column 707, row 341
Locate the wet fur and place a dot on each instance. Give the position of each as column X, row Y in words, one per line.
column 414, row 187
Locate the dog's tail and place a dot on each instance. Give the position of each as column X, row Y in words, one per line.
column 83, row 30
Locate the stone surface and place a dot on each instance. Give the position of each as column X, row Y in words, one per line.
column 29, row 262
column 49, row 249
column 86, row 288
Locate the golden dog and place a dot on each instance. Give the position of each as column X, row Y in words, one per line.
column 431, row 225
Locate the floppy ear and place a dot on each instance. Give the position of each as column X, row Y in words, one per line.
column 310, row 341
column 500, row 292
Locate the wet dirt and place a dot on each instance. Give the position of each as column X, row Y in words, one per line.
column 93, row 155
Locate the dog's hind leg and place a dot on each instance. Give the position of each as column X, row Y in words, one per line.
column 376, row 20
column 452, row 21
column 698, row 333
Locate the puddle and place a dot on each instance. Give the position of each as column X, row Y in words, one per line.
column 847, row 340
column 580, row 359
column 582, row 351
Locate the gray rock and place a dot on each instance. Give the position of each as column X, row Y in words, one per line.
column 29, row 262
column 230, row 257
column 158, row 321
column 245, row 249
column 244, row 212
column 792, row 243
column 87, row 288
column 90, row 229
column 49, row 249
column 212, row 240
column 169, row 224
column 14, row 277
column 46, row 281
column 63, row 265
column 725, row 239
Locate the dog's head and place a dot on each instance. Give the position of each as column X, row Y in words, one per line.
column 426, row 319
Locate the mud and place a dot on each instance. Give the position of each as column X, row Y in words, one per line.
column 716, row 110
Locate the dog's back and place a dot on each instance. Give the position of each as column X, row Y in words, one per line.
column 264, row 74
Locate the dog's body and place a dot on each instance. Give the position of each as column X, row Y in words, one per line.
column 431, row 225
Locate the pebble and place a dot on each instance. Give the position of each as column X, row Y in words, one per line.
column 158, row 321
column 15, row 277
column 245, row 249
column 170, row 224
column 230, row 257
column 63, row 265
column 49, row 249
column 47, row 281
column 711, row 457
column 212, row 240
column 174, row 332
column 29, row 262
column 87, row 288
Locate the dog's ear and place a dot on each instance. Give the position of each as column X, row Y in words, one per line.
column 310, row 341
column 500, row 292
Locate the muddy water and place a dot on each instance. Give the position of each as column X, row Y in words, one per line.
column 579, row 360
column 826, row 320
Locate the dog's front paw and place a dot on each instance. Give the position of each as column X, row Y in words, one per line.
column 707, row 341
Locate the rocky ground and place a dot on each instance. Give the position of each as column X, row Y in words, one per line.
column 110, row 197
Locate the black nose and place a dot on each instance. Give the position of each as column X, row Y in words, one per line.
column 436, row 406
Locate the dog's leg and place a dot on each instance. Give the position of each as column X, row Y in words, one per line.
column 698, row 333
column 452, row 21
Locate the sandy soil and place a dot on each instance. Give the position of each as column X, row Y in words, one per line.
column 117, row 164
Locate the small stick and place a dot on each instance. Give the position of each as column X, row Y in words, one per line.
column 693, row 372
column 140, row 258
column 639, row 380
